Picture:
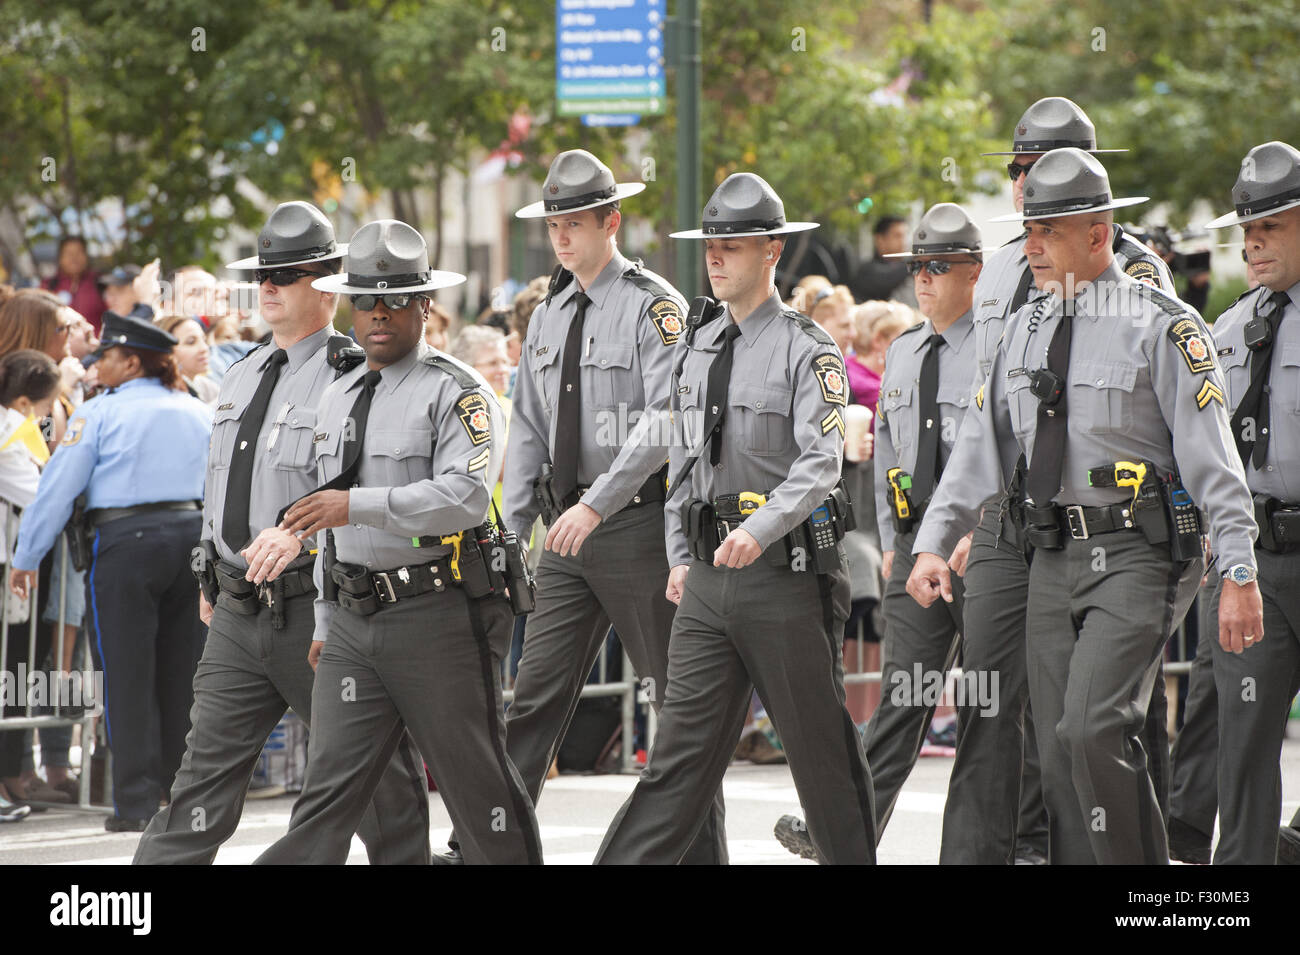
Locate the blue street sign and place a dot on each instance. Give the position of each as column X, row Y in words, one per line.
column 610, row 119
column 609, row 57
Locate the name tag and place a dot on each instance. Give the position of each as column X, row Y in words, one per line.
column 542, row 351
column 1016, row 372
column 226, row 407
column 319, row 437
column 894, row 391
column 1225, row 352
column 988, row 303
column 684, row 390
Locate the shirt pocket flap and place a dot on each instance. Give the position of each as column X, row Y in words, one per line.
column 400, row 443
column 1291, row 354
column 228, row 412
column 895, row 398
column 546, row 356
column 763, row 399
column 955, row 395
column 1105, row 374
column 607, row 356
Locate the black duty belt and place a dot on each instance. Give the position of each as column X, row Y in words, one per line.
column 364, row 592
column 247, row 598
column 650, row 491
column 1082, row 522
column 103, row 515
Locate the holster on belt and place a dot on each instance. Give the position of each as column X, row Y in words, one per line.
column 203, row 565
column 1279, row 524
column 356, row 591
column 79, row 535
column 240, row 593
column 700, row 521
column 1043, row 526
column 544, row 493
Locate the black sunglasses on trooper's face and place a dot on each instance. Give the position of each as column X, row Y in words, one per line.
column 936, row 266
column 1015, row 170
column 283, row 277
column 395, row 301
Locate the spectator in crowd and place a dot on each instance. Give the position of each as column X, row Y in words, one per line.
column 878, row 324
column 195, row 291
column 806, row 291
column 484, row 349
column 493, row 317
column 881, row 278
column 223, row 331
column 35, row 319
column 29, row 383
column 437, row 327
column 521, row 313
column 191, row 354
column 74, row 284
column 139, row 454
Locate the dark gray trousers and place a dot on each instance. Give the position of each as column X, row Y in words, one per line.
column 1193, row 793
column 777, row 631
column 1100, row 611
column 619, row 576
column 416, row 665
column 919, row 646
column 249, row 675
column 1255, row 691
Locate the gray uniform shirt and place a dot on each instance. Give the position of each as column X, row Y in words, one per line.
column 284, row 468
column 898, row 423
column 625, row 368
column 784, row 429
column 1141, row 385
column 1280, row 476
column 428, row 461
column 995, row 291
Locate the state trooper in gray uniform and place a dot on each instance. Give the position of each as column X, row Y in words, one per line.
column 1125, row 433
column 1258, row 344
column 254, row 663
column 994, row 813
column 410, row 627
column 596, row 364
column 753, row 539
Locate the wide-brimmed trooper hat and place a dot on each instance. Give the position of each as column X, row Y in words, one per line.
column 385, row 257
column 577, row 180
column 945, row 229
column 1054, row 122
column 1067, row 182
column 1268, row 183
column 744, row 205
column 297, row 233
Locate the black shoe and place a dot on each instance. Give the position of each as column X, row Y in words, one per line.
column 792, row 832
column 1288, row 846
column 451, row 857
column 1028, row 855
column 1188, row 844
column 122, row 824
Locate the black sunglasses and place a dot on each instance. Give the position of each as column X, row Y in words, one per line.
column 1016, row 170
column 395, row 302
column 283, row 277
column 937, row 267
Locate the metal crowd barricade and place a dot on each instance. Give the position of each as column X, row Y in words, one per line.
column 20, row 690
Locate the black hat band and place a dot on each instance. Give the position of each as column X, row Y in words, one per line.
column 1255, row 207
column 1047, row 145
column 294, row 255
column 717, row 227
column 1060, row 208
column 389, row 281
column 587, row 198
column 942, row 248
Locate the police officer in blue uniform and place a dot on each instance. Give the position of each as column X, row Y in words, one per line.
column 137, row 453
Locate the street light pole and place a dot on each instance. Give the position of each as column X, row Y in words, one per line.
column 689, row 80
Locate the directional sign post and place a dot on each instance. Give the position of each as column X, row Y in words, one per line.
column 609, row 63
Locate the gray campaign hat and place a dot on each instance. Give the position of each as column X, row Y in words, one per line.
column 297, row 233
column 744, row 205
column 385, row 257
column 577, row 180
column 945, row 229
column 1054, row 122
column 1067, row 182
column 1268, row 183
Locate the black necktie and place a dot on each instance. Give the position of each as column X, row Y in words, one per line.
column 1254, row 403
column 568, row 411
column 928, row 468
column 239, row 482
column 1053, row 427
column 715, row 404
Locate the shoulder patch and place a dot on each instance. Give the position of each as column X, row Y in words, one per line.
column 1143, row 271
column 666, row 316
column 1186, row 334
column 76, row 427
column 829, row 370
column 833, row 421
column 1209, row 392
column 474, row 415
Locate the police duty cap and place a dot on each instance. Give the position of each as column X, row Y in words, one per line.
column 1067, row 182
column 744, row 205
column 131, row 331
column 577, row 180
column 1054, row 122
column 297, row 233
column 945, row 229
column 387, row 256
column 1268, row 183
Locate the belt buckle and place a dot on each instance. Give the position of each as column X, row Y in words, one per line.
column 1078, row 526
column 388, row 597
column 265, row 594
column 727, row 526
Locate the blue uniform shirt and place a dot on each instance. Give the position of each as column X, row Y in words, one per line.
column 139, row 444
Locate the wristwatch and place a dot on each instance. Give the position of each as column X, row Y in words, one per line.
column 1239, row 574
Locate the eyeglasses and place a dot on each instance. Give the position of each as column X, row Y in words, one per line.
column 1015, row 170
column 64, row 329
column 283, row 277
column 936, row 267
column 395, row 301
